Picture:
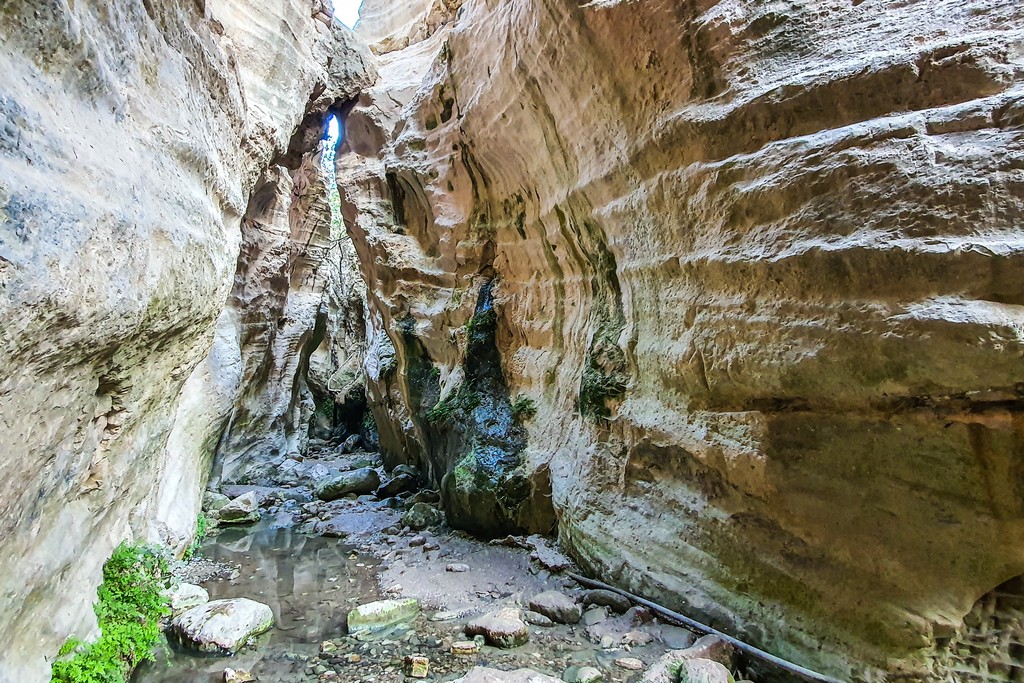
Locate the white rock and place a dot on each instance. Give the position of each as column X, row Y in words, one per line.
column 242, row 510
column 185, row 596
column 222, row 626
column 480, row 674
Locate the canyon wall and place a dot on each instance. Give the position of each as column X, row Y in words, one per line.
column 132, row 136
column 752, row 276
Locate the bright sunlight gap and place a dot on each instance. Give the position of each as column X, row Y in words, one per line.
column 347, row 11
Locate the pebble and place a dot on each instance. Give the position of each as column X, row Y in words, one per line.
column 417, row 666
column 637, row 638
column 465, row 647
column 238, row 676
column 457, row 567
column 629, row 663
column 416, row 541
column 595, row 616
column 606, row 598
column 537, row 619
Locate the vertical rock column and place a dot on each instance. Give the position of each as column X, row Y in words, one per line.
column 131, row 137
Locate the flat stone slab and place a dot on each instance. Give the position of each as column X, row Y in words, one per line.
column 222, row 626
column 481, row 674
column 380, row 615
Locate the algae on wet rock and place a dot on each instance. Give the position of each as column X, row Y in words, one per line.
column 381, row 615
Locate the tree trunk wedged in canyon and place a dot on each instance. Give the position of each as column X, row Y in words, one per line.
column 758, row 267
column 131, row 136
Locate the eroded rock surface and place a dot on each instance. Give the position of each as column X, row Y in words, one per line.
column 755, row 277
column 222, row 626
column 132, row 136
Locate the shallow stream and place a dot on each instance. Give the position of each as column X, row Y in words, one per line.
column 310, row 582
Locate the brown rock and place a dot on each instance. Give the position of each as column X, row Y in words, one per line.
column 502, row 629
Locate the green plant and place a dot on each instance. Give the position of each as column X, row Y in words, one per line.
column 523, row 408
column 596, row 387
column 482, row 322
column 462, row 399
column 202, row 527
column 70, row 645
column 441, row 412
column 130, row 603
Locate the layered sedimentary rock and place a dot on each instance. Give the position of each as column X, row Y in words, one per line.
column 757, row 269
column 288, row 262
column 131, row 137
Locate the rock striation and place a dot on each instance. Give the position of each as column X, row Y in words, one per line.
column 132, row 138
column 749, row 274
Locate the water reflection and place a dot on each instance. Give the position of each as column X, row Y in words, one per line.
column 309, row 581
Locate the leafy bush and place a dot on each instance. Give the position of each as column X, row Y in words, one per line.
column 202, row 527
column 523, row 408
column 131, row 601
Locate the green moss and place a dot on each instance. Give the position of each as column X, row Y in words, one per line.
column 465, row 471
column 482, row 324
column 202, row 527
column 463, row 399
column 324, row 409
column 596, row 388
column 523, row 408
column 131, row 601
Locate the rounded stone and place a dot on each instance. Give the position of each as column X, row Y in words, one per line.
column 502, row 629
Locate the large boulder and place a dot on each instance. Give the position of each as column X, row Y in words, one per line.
column 212, row 500
column 362, row 480
column 606, row 598
column 707, row 649
column 557, row 607
column 421, row 515
column 242, row 510
column 397, row 484
column 222, row 626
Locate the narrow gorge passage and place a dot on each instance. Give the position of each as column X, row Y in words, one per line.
column 348, row 354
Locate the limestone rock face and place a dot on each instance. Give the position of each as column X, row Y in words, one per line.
column 131, row 138
column 757, row 269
